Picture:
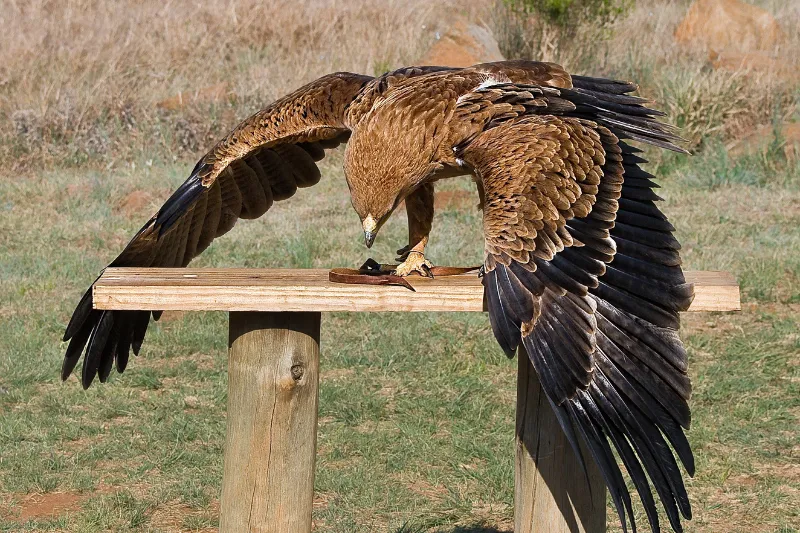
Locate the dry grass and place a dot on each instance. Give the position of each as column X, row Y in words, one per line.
column 702, row 101
column 80, row 79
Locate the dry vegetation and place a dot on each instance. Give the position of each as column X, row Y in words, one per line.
column 403, row 447
column 640, row 46
column 80, row 79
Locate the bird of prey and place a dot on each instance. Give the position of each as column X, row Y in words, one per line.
column 581, row 267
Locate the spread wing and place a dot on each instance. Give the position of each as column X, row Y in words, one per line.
column 265, row 159
column 582, row 269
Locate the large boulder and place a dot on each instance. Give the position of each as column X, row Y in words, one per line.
column 463, row 45
column 729, row 25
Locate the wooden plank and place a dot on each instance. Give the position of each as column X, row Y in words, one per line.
column 550, row 489
column 270, row 445
column 234, row 289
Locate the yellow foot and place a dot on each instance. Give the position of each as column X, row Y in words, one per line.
column 415, row 262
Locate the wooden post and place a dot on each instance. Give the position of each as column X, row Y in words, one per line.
column 270, row 448
column 550, row 491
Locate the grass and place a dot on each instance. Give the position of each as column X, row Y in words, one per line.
column 415, row 428
column 416, row 410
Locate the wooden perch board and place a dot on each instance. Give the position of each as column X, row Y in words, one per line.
column 241, row 289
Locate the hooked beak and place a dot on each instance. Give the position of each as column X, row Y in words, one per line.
column 369, row 238
column 370, row 230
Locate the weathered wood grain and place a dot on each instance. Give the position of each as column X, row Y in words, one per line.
column 271, row 438
column 550, row 490
column 309, row 290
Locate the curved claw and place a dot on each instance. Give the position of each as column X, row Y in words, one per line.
column 414, row 263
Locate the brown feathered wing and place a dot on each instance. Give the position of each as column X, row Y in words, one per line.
column 581, row 268
column 265, row 159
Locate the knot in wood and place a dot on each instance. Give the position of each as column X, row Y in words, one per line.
column 297, row 372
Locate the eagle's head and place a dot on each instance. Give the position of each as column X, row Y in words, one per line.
column 383, row 165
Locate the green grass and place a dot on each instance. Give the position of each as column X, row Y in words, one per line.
column 416, row 410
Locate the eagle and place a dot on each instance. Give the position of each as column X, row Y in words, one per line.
column 580, row 266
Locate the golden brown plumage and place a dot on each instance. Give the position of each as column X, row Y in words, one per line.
column 580, row 265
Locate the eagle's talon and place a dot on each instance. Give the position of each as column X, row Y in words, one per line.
column 415, row 262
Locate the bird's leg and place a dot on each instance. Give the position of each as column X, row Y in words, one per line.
column 419, row 207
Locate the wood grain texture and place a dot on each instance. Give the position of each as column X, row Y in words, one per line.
column 270, row 448
column 550, row 489
column 309, row 290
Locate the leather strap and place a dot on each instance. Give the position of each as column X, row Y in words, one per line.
column 374, row 273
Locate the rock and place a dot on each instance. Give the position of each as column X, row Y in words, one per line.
column 134, row 203
column 759, row 140
column 213, row 93
column 729, row 25
column 463, row 45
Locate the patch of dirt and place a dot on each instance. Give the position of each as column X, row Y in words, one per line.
column 77, row 189
column 322, row 500
column 788, row 472
column 455, row 200
column 704, row 322
column 171, row 316
column 474, row 465
column 47, row 505
column 488, row 512
column 422, row 487
column 371, row 427
column 170, row 517
column 134, row 203
column 735, row 322
column 728, row 511
column 742, row 480
column 336, row 374
column 759, row 139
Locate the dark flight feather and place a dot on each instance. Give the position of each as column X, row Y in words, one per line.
column 612, row 366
